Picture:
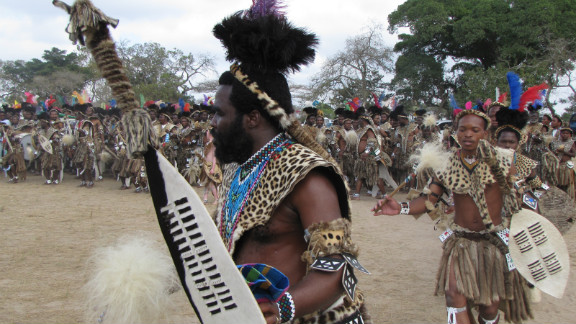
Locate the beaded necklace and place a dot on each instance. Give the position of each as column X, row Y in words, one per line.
column 246, row 178
column 469, row 162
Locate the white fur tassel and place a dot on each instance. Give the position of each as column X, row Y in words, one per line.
column 429, row 120
column 131, row 283
column 321, row 137
column 433, row 156
column 68, row 140
column 351, row 137
column 105, row 157
column 30, row 151
column 548, row 139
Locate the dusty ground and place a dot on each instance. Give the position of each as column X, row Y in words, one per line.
column 49, row 232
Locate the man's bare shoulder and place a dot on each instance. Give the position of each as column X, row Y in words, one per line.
column 316, row 198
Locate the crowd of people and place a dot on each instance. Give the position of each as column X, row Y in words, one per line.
column 372, row 146
column 285, row 198
column 89, row 144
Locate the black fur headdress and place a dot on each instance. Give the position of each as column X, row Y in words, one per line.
column 310, row 111
column 511, row 120
column 262, row 40
column 264, row 47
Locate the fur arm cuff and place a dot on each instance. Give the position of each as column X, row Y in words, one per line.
column 329, row 238
column 534, row 183
column 333, row 238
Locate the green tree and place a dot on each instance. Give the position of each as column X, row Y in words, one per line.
column 357, row 71
column 419, row 78
column 479, row 39
column 58, row 73
column 159, row 73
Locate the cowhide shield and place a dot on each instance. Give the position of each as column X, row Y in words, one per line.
column 216, row 289
column 539, row 252
column 45, row 143
column 26, row 142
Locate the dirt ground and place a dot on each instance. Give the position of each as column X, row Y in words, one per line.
column 49, row 232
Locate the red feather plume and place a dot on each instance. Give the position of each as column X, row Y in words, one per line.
column 530, row 95
column 376, row 101
column 503, row 97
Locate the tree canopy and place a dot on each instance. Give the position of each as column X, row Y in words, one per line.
column 57, row 72
column 157, row 72
column 357, row 71
column 477, row 42
column 154, row 71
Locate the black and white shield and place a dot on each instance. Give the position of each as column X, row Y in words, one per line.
column 213, row 284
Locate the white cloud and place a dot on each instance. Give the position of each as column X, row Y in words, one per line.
column 26, row 32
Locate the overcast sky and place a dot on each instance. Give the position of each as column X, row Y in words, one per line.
column 29, row 27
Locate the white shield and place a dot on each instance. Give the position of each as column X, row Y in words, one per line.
column 539, row 252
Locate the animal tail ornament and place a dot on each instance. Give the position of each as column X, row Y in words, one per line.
column 487, row 153
column 89, row 26
column 131, row 282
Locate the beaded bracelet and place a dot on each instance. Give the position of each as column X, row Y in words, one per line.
column 287, row 308
column 405, row 210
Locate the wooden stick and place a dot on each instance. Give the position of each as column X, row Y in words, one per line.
column 400, row 186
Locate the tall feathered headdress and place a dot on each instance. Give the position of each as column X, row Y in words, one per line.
column 354, row 104
column 454, row 105
column 261, row 39
column 538, row 103
column 378, row 101
column 262, row 43
column 515, row 90
column 511, row 120
column 518, row 100
column 533, row 96
column 31, row 98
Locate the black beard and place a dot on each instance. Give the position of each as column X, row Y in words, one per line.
column 233, row 145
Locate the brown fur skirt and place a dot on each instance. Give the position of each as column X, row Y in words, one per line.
column 482, row 274
column 348, row 164
column 366, row 169
column 565, row 175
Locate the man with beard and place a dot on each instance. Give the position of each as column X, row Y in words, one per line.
column 320, row 121
column 286, row 204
